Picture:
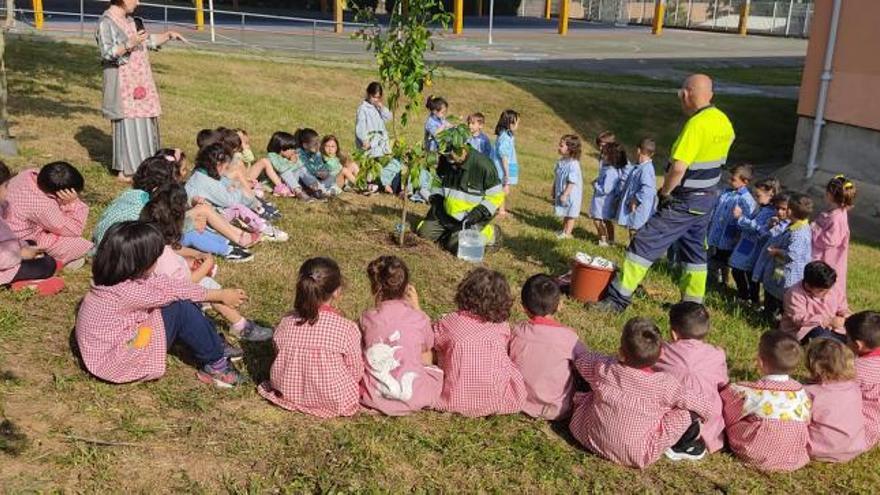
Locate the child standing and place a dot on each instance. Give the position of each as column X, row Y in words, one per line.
column 752, row 229
column 369, row 129
column 568, row 184
column 789, row 254
column 638, row 201
column 131, row 317
column 699, row 366
column 633, row 414
column 22, row 265
column 724, row 229
column 863, row 330
column 479, row 140
column 43, row 207
column 837, row 427
column 436, row 122
column 506, row 162
column 399, row 377
column 604, row 206
column 768, row 420
column 544, row 351
column 343, row 170
column 776, row 226
column 831, row 228
column 318, row 364
column 471, row 346
column 811, row 309
column 167, row 209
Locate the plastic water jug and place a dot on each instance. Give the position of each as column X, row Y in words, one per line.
column 471, row 245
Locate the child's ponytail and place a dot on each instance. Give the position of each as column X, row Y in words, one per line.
column 167, row 209
column 842, row 190
column 318, row 279
column 210, row 157
column 435, row 103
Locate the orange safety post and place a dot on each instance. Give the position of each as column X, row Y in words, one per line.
column 563, row 16
column 458, row 11
column 337, row 16
column 744, row 18
column 200, row 15
column 38, row 14
column 659, row 12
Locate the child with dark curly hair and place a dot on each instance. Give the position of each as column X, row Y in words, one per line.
column 471, row 346
column 399, row 377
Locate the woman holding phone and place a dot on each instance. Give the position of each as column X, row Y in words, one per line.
column 131, row 101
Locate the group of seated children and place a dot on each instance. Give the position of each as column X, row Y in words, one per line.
column 767, row 240
column 623, row 192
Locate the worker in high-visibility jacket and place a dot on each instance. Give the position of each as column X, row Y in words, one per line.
column 469, row 194
column 687, row 199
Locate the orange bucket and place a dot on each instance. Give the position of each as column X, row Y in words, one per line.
column 588, row 283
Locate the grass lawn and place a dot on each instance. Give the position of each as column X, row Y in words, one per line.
column 180, row 435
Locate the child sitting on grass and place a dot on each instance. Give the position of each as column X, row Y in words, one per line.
column 604, row 205
column 44, row 208
column 768, row 420
column 863, row 330
column 23, row 265
column 811, row 309
column 167, row 209
column 316, row 179
column 318, row 364
column 568, row 184
column 831, row 228
column 632, row 414
column 544, row 351
column 471, row 346
column 131, row 317
column 399, row 377
column 479, row 140
column 837, row 427
column 789, row 254
column 699, row 366
column 752, row 229
column 343, row 170
column 638, row 201
column 281, row 165
column 724, row 229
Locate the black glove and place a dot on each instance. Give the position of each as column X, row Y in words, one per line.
column 664, row 201
column 478, row 214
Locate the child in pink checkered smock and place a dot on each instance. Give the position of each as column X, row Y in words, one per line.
column 633, row 414
column 44, row 208
column 399, row 377
column 471, row 346
column 318, row 365
column 863, row 330
column 831, row 230
column 767, row 421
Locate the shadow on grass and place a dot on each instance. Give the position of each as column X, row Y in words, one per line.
column 258, row 359
column 97, row 143
column 540, row 251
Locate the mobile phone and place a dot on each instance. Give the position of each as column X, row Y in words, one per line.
column 139, row 24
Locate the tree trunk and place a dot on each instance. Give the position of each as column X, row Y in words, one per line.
column 404, row 186
column 7, row 144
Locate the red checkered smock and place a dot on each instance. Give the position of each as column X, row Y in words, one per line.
column 868, row 376
column 479, row 377
column 632, row 415
column 318, row 367
column 110, row 318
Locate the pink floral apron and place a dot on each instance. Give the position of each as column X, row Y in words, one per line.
column 137, row 90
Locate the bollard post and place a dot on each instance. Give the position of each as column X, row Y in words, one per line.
column 200, row 15
column 337, row 16
column 659, row 13
column 744, row 17
column 458, row 11
column 38, row 14
column 479, row 8
column 547, row 7
column 563, row 16
column 82, row 18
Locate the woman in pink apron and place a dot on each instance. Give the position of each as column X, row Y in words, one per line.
column 130, row 98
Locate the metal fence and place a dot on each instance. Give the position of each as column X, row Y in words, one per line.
column 779, row 18
column 222, row 29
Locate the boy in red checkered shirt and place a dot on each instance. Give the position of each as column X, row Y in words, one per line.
column 768, row 420
column 633, row 413
column 863, row 330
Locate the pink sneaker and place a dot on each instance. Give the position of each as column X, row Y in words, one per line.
column 45, row 287
column 283, row 191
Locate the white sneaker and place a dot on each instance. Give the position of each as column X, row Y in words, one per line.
column 274, row 234
column 562, row 235
column 603, row 243
column 75, row 265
